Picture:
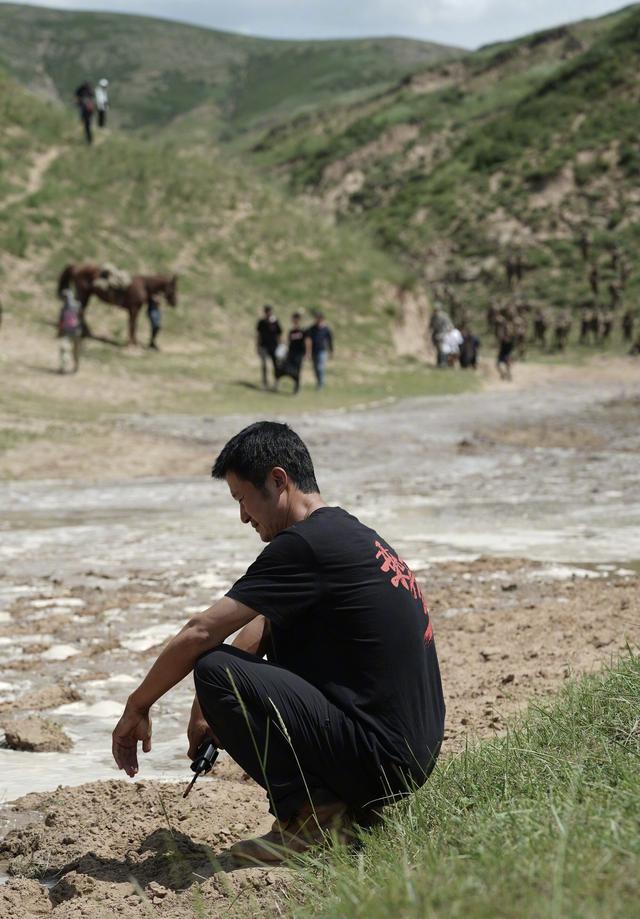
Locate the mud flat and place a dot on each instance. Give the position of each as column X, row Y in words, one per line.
column 517, row 509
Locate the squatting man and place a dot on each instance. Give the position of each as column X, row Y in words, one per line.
column 330, row 695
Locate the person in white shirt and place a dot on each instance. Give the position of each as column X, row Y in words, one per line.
column 450, row 346
column 102, row 102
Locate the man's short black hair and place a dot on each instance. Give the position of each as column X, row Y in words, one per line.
column 257, row 449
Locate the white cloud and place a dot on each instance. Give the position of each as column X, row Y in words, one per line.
column 459, row 22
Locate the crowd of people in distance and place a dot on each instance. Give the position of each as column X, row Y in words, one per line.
column 89, row 101
column 286, row 358
column 516, row 321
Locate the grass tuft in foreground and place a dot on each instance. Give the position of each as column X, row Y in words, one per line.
column 543, row 822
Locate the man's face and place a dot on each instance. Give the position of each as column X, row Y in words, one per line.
column 264, row 508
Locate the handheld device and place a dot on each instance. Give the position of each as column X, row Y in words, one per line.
column 206, row 756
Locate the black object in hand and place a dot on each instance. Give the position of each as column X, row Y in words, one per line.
column 205, row 757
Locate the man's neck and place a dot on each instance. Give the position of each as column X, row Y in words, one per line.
column 303, row 505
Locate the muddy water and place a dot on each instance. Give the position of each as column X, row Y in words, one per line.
column 96, row 576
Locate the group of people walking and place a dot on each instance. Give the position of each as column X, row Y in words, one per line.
column 453, row 345
column 89, row 101
column 286, row 358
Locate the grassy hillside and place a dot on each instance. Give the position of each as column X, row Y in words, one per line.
column 522, row 145
column 160, row 69
column 175, row 203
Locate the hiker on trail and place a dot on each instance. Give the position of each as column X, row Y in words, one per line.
column 589, row 323
column 69, row 332
column 319, row 347
column 469, row 349
column 439, row 324
column 85, row 103
column 605, row 325
column 296, row 350
column 155, row 320
column 346, row 714
column 540, row 326
column 628, row 321
column 268, row 334
column 562, row 329
column 102, row 102
column 505, row 333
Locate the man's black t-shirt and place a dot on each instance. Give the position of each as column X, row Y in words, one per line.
column 269, row 332
column 347, row 615
column 297, row 346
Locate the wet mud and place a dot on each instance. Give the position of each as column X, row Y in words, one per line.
column 518, row 512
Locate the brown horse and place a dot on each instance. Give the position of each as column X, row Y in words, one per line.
column 132, row 298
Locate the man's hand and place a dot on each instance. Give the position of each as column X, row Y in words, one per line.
column 198, row 730
column 133, row 726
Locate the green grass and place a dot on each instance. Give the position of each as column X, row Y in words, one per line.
column 247, row 80
column 506, row 124
column 543, row 822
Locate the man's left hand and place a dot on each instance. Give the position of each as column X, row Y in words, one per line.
column 132, row 727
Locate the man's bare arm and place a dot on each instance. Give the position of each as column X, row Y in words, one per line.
column 253, row 638
column 175, row 661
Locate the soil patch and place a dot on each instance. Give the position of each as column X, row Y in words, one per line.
column 39, row 735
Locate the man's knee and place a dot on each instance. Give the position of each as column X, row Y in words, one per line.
column 212, row 669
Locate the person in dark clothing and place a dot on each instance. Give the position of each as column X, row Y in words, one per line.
column 505, row 333
column 85, row 103
column 319, row 347
column 155, row 320
column 346, row 713
column 292, row 365
column 268, row 332
column 469, row 348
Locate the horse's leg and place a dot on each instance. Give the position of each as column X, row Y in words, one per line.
column 134, row 309
column 84, row 304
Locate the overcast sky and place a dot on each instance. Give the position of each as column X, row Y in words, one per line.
column 468, row 23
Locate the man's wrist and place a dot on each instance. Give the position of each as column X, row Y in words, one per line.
column 136, row 704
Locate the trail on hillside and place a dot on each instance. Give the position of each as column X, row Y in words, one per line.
column 41, row 163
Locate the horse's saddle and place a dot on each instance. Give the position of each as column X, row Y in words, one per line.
column 112, row 278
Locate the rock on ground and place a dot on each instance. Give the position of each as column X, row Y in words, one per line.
column 39, row 735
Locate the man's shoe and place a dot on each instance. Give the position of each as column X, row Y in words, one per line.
column 309, row 827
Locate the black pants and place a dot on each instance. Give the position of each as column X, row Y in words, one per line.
column 86, row 121
column 292, row 367
column 291, row 739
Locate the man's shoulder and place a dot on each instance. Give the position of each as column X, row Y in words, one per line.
column 327, row 523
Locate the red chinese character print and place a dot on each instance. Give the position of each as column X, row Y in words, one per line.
column 403, row 577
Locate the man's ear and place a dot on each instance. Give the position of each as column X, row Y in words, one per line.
column 280, row 478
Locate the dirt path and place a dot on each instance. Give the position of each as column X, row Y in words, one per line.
column 40, row 165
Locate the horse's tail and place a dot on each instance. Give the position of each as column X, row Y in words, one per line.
column 65, row 278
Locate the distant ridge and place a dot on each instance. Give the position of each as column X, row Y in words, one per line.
column 161, row 69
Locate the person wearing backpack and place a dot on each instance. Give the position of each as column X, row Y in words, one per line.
column 69, row 332
column 84, row 101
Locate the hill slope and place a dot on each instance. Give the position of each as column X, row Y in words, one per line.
column 525, row 144
column 162, row 69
